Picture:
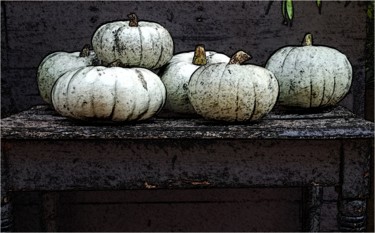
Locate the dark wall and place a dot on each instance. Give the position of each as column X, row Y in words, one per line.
column 31, row 30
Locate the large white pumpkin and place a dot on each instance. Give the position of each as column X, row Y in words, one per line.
column 135, row 44
column 113, row 94
column 310, row 76
column 56, row 64
column 233, row 92
column 177, row 74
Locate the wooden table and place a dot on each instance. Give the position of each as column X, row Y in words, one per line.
column 42, row 151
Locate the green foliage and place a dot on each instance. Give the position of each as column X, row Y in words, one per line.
column 370, row 10
column 287, row 10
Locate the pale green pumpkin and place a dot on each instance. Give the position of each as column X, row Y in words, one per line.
column 310, row 76
column 134, row 44
column 111, row 94
column 178, row 72
column 233, row 92
column 56, row 64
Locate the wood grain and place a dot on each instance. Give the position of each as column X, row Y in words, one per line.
column 41, row 122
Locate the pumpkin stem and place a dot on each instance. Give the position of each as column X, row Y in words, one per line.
column 307, row 41
column 200, row 56
column 85, row 52
column 133, row 20
column 239, row 58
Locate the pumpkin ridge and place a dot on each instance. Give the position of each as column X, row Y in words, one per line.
column 237, row 98
column 92, row 96
column 71, row 77
column 286, row 56
column 130, row 116
column 161, row 52
column 148, row 112
column 144, row 83
column 118, row 49
column 102, row 45
column 139, row 115
column 141, row 45
column 311, row 90
column 114, row 100
column 163, row 103
column 349, row 74
column 220, row 80
column 162, row 90
column 324, row 90
column 197, row 79
column 255, row 102
column 333, row 90
column 141, row 78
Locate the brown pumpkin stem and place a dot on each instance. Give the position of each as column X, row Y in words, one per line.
column 239, row 58
column 85, row 52
column 133, row 20
column 307, row 40
column 199, row 56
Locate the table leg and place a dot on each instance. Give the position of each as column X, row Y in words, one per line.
column 6, row 213
column 352, row 215
column 314, row 200
column 355, row 189
column 6, row 201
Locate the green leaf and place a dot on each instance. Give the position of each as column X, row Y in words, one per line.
column 283, row 6
column 370, row 10
column 289, row 9
column 319, row 4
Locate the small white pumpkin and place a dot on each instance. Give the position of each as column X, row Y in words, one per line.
column 311, row 76
column 233, row 92
column 56, row 64
column 133, row 43
column 177, row 74
column 112, row 94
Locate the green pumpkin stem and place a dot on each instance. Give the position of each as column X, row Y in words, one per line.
column 85, row 52
column 199, row 56
column 133, row 20
column 239, row 58
column 307, row 40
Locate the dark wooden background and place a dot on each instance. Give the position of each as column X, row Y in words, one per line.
column 32, row 30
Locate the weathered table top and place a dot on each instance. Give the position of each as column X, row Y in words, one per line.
column 42, row 122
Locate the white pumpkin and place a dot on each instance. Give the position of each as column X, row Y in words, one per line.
column 135, row 44
column 311, row 76
column 233, row 92
column 56, row 64
column 112, row 94
column 177, row 74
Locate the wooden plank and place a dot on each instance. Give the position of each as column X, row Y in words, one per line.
column 44, row 123
column 78, row 209
column 214, row 195
column 150, row 164
column 252, row 216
